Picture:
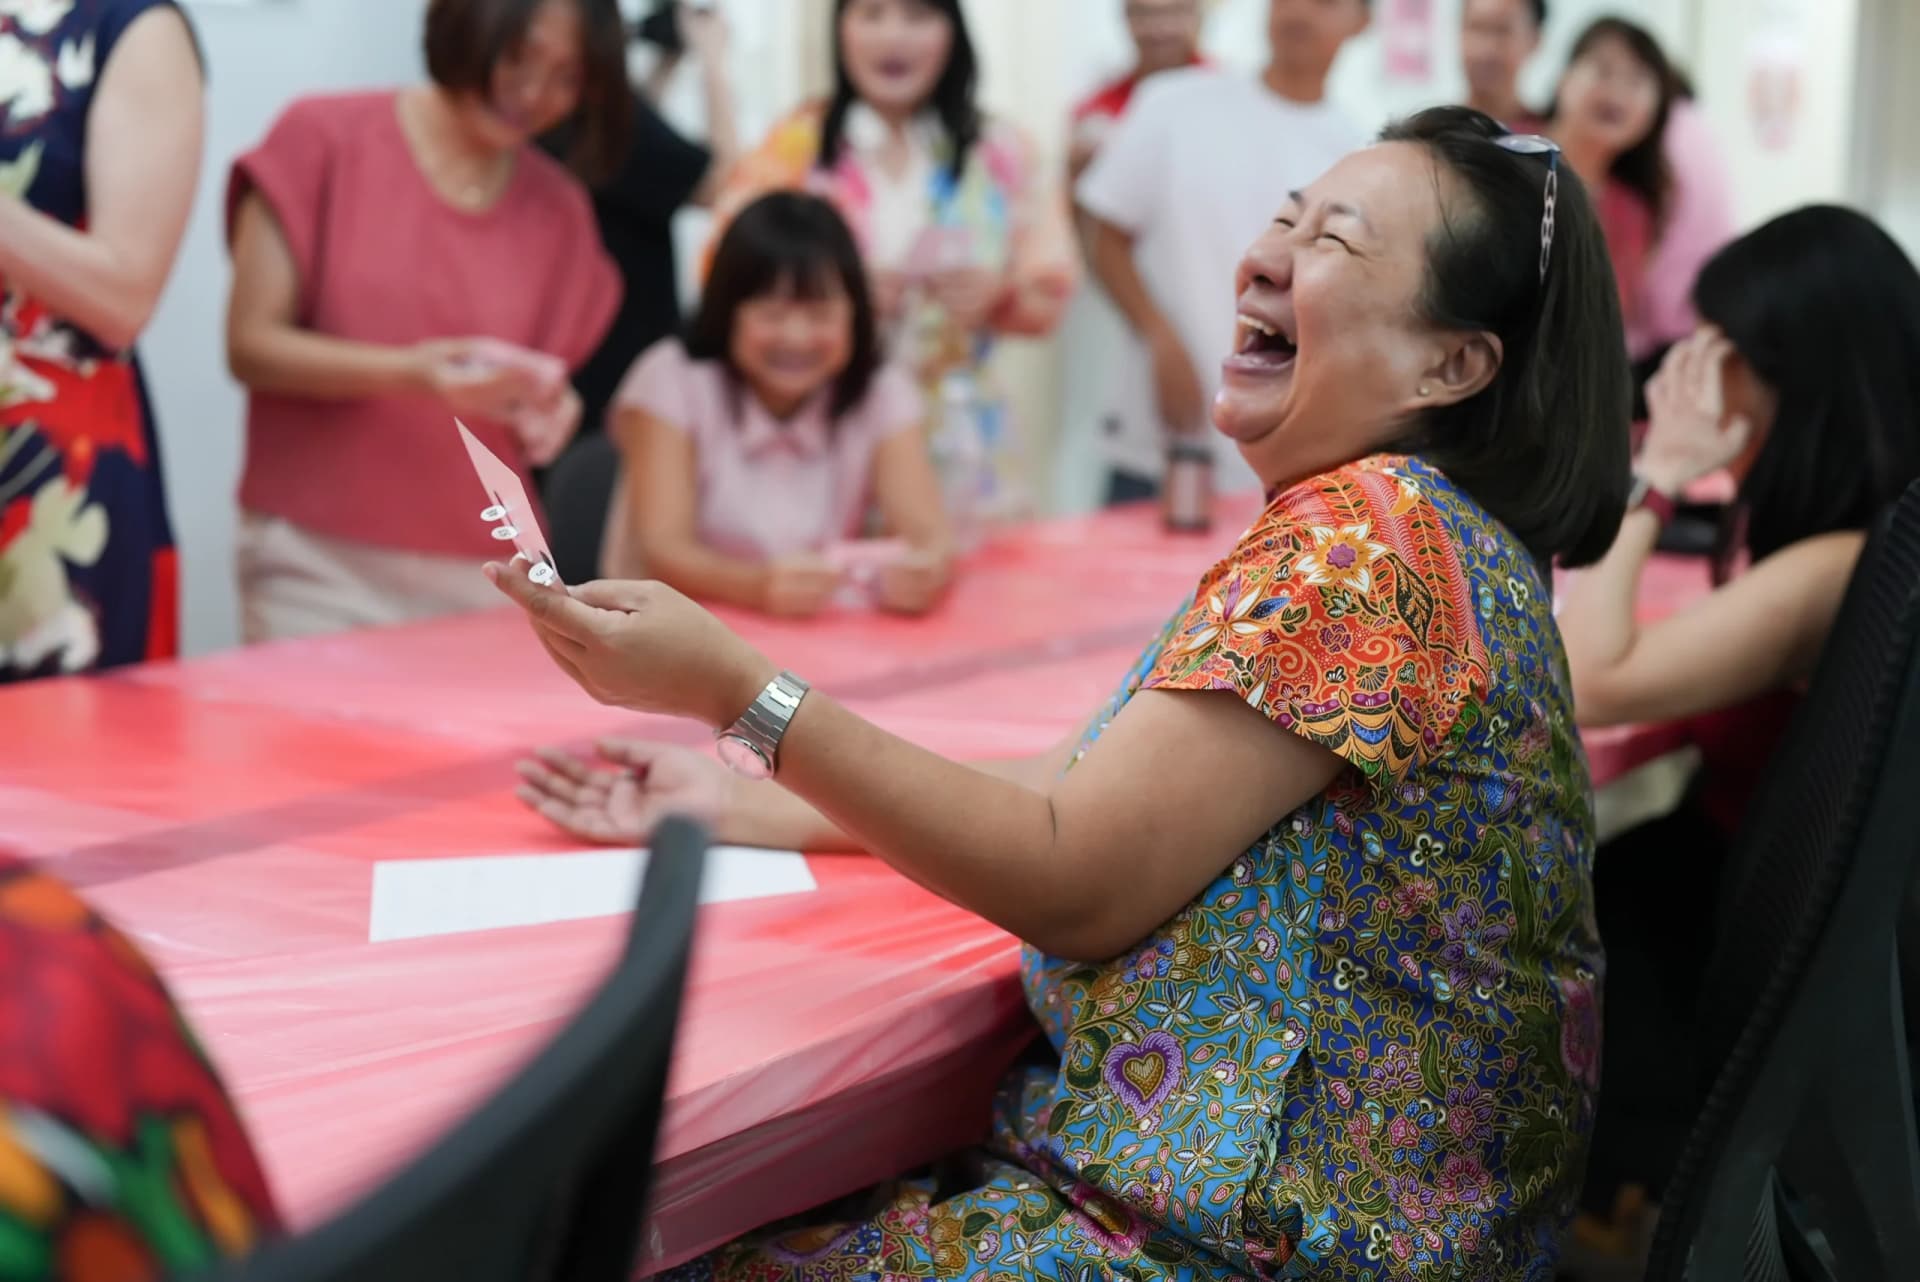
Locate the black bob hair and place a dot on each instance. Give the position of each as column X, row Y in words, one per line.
column 953, row 94
column 1825, row 308
column 795, row 243
column 465, row 39
column 1545, row 446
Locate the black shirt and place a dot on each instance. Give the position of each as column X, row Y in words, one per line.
column 635, row 209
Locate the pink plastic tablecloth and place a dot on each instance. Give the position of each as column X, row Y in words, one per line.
column 229, row 811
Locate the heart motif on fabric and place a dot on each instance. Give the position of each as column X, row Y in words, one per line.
column 1143, row 1076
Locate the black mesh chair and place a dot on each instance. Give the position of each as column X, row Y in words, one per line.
column 547, row 1181
column 576, row 492
column 1803, row 1162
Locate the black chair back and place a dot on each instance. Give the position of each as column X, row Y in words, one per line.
column 548, row 1180
column 1803, row 1162
column 576, row 492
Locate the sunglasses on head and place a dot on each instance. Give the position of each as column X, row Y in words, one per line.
column 1536, row 145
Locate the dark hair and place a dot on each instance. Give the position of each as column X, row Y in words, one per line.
column 792, row 241
column 952, row 93
column 1544, row 447
column 1643, row 166
column 466, row 39
column 1826, row 309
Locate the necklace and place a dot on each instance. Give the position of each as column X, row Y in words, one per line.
column 458, row 184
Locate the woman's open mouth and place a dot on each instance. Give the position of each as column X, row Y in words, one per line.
column 1260, row 347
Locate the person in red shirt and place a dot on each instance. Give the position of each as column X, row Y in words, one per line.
column 1166, row 34
column 400, row 259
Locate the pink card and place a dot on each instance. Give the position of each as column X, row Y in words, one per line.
column 939, row 249
column 863, row 559
column 509, row 511
column 548, row 372
column 860, row 562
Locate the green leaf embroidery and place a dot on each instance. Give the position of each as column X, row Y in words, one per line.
column 147, row 1184
column 24, row 1253
column 1537, row 1147
column 1433, row 1070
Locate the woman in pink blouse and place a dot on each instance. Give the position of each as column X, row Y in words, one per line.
column 401, row 258
column 1610, row 119
column 758, row 449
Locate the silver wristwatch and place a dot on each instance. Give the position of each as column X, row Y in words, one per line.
column 751, row 745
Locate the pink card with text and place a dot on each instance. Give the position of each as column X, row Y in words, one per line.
column 509, row 511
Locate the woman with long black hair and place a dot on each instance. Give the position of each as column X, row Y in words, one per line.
column 1804, row 383
column 1610, row 116
column 965, row 233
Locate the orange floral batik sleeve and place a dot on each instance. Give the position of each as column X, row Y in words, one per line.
column 1344, row 615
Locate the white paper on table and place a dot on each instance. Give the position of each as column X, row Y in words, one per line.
column 417, row 898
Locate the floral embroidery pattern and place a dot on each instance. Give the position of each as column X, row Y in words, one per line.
column 120, row 1156
column 1369, row 1048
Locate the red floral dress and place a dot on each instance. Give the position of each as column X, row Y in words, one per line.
column 88, row 570
column 121, row 1157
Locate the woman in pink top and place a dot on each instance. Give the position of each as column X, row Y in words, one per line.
column 759, row 448
column 401, row 258
column 1699, row 225
column 1610, row 117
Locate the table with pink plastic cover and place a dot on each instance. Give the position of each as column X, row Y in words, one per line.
column 228, row 813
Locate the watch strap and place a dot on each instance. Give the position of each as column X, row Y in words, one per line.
column 1653, row 500
column 764, row 724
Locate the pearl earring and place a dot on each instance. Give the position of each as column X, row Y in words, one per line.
column 1425, row 390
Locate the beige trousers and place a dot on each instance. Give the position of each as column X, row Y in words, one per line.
column 294, row 583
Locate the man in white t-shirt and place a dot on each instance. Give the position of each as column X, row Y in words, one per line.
column 1201, row 162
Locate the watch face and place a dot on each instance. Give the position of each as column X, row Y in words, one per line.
column 743, row 758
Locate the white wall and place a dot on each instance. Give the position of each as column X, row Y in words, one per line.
column 1820, row 38
column 1887, row 157
column 259, row 55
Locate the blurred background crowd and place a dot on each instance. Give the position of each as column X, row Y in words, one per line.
column 1702, row 117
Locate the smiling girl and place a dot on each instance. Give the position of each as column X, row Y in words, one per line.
column 764, row 440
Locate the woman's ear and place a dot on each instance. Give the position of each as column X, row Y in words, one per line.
column 1467, row 364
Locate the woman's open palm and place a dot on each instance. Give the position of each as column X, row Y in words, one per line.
column 622, row 801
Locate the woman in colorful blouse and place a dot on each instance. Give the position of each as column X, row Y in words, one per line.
column 401, row 258
column 101, row 122
column 121, row 1157
column 1307, row 905
column 965, row 232
column 1804, row 384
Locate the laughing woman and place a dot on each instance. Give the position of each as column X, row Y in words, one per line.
column 1307, row 906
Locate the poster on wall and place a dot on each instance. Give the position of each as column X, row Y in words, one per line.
column 1406, row 38
column 1776, row 72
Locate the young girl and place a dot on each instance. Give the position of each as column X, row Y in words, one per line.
column 756, row 449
